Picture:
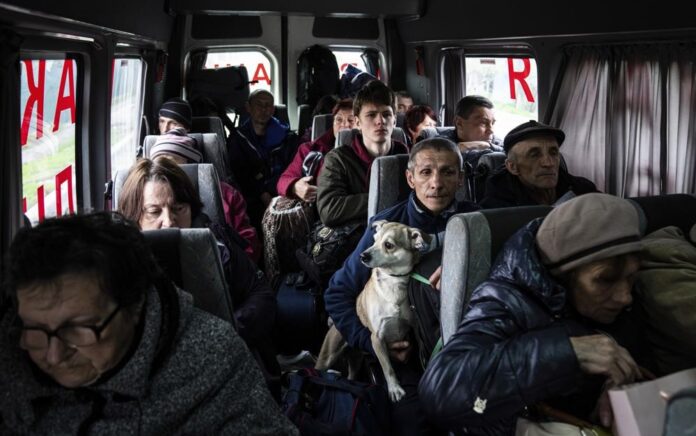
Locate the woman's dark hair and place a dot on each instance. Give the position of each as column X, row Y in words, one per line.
column 416, row 115
column 104, row 244
column 343, row 104
column 162, row 169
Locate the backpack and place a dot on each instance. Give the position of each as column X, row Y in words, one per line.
column 324, row 403
column 317, row 74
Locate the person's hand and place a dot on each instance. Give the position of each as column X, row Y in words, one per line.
column 473, row 145
column 603, row 408
column 304, row 189
column 399, row 350
column 600, row 354
column 266, row 199
column 435, row 278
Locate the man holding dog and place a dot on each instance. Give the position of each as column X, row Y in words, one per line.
column 434, row 173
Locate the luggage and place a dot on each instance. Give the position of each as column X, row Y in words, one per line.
column 301, row 321
column 317, row 74
column 324, row 403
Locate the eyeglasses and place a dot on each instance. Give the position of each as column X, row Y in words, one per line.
column 36, row 338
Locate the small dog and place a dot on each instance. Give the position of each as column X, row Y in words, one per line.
column 383, row 305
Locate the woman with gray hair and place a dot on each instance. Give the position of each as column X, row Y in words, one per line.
column 548, row 326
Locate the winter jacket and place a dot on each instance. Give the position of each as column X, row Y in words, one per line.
column 504, row 189
column 343, row 185
column 293, row 172
column 188, row 373
column 512, row 349
column 349, row 281
column 236, row 217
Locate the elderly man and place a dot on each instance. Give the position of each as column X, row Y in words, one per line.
column 98, row 341
column 532, row 173
column 174, row 113
column 261, row 152
column 548, row 326
column 434, row 173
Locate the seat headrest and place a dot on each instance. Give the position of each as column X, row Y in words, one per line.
column 321, row 124
column 281, row 112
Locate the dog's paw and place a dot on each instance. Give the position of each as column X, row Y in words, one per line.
column 396, row 393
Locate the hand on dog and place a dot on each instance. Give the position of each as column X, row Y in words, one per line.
column 400, row 350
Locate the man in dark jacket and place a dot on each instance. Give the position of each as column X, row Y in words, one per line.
column 434, row 173
column 532, row 173
column 547, row 326
column 99, row 341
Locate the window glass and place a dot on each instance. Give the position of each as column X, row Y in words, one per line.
column 258, row 65
column 126, row 110
column 346, row 57
column 47, row 117
column 510, row 83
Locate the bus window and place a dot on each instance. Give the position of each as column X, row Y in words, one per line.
column 349, row 57
column 126, row 110
column 47, row 117
column 510, row 83
column 257, row 63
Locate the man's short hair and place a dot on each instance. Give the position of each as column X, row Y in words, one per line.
column 467, row 104
column 403, row 94
column 436, row 144
column 104, row 244
column 375, row 92
column 255, row 93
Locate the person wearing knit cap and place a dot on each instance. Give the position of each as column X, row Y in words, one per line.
column 550, row 324
column 532, row 173
column 180, row 148
column 175, row 112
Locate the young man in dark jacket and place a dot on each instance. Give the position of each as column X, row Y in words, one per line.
column 434, row 173
column 548, row 325
column 532, row 173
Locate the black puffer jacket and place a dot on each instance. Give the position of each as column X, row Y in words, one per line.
column 512, row 350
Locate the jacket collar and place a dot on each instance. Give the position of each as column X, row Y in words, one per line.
column 519, row 264
column 275, row 132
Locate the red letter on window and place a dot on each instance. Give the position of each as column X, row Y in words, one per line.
column 521, row 76
column 40, row 202
column 261, row 74
column 62, row 177
column 36, row 97
column 64, row 102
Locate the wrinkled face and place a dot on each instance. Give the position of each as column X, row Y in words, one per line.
column 602, row 289
column 261, row 108
column 376, row 123
column 396, row 247
column 478, row 127
column 76, row 300
column 403, row 104
column 167, row 124
column 535, row 162
column 427, row 122
column 161, row 210
column 435, row 177
column 344, row 119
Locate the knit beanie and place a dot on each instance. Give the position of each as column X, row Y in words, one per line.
column 176, row 142
column 177, row 109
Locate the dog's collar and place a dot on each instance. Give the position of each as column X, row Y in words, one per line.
column 414, row 275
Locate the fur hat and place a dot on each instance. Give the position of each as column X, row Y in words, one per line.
column 585, row 229
column 529, row 129
column 176, row 142
column 177, row 109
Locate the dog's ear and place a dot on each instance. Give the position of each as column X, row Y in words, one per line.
column 377, row 225
column 419, row 239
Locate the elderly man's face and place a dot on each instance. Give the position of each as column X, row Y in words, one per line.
column 166, row 124
column 403, row 104
column 74, row 300
column 602, row 289
column 261, row 108
column 535, row 161
column 435, row 178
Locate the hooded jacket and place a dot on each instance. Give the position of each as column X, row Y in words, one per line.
column 189, row 373
column 504, row 189
column 512, row 349
column 342, row 189
column 349, row 281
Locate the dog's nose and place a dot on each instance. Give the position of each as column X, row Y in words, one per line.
column 365, row 257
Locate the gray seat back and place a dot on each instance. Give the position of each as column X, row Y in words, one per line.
column 304, row 118
column 472, row 241
column 205, row 181
column 679, row 416
column 208, row 144
column 320, row 124
column 191, row 259
column 281, row 112
column 432, row 132
column 345, row 137
column 216, row 155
